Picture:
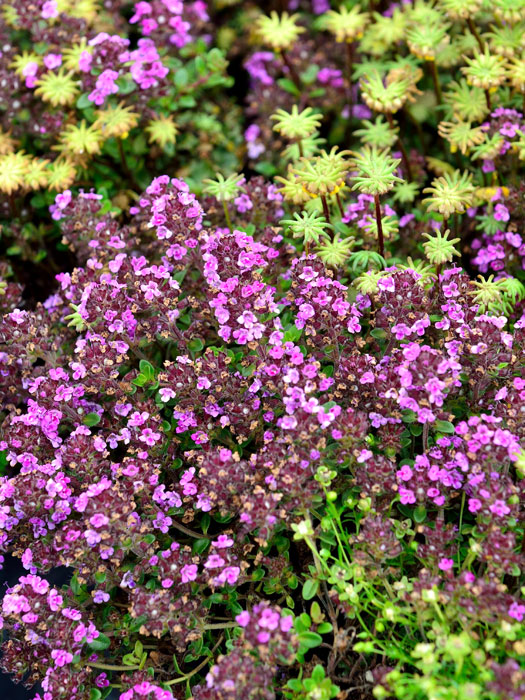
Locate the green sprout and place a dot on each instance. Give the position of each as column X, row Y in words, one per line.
column 377, row 133
column 366, row 260
column 279, row 32
column 224, row 190
column 461, row 135
column 405, row 192
column 375, row 176
column 467, row 103
column 375, row 171
column 486, row 71
column 345, row 24
column 368, row 281
column 389, row 95
column 451, row 193
column 310, row 226
column 439, row 249
column 296, row 125
column 488, row 294
column 335, row 253
column 460, row 9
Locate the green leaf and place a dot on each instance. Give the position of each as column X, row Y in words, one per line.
column 147, row 369
column 100, row 643
column 289, row 86
column 195, row 345
column 181, row 77
column 444, row 426
column 310, row 640
column 91, row 419
column 420, row 514
column 295, row 684
column 325, row 628
column 95, row 694
column 83, row 101
column 310, row 588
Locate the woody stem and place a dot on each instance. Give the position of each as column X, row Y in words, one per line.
column 380, row 238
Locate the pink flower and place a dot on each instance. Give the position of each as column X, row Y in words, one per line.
column 61, row 657
column 49, row 9
column 445, row 564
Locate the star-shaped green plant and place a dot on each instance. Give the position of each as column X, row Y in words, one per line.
column 279, row 32
column 224, row 189
column 162, row 130
column 427, row 272
column 516, row 73
column 384, row 32
column 367, row 282
column 116, row 120
column 506, row 40
column 484, row 70
column 461, row 135
column 426, row 40
column 390, row 94
column 335, row 253
column 310, row 226
column 451, row 193
column 296, row 125
column 489, row 295
column 439, row 249
column 467, row 103
column 489, row 148
column 60, row 89
column 509, row 11
column 324, row 174
column 405, row 192
column 460, row 9
column 77, row 141
column 378, row 133
column 389, row 225
column 375, row 176
column 375, row 170
column 292, row 189
column 13, row 169
column 366, row 260
column 345, row 24
column 306, row 148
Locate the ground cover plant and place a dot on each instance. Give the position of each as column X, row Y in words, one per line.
column 262, row 349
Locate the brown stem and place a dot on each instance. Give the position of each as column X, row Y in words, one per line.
column 475, row 33
column 380, row 238
column 435, row 79
column 340, row 204
column 300, row 147
column 293, row 73
column 326, row 211
column 489, row 100
column 404, row 154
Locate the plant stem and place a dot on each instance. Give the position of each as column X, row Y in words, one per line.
column 326, row 211
column 380, row 238
column 227, row 215
column 489, row 100
column 437, row 85
column 111, row 667
column 404, row 155
column 125, row 166
column 300, row 147
column 340, row 204
column 291, row 69
column 475, row 33
column 349, row 70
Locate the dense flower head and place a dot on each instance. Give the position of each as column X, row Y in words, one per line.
column 261, row 349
